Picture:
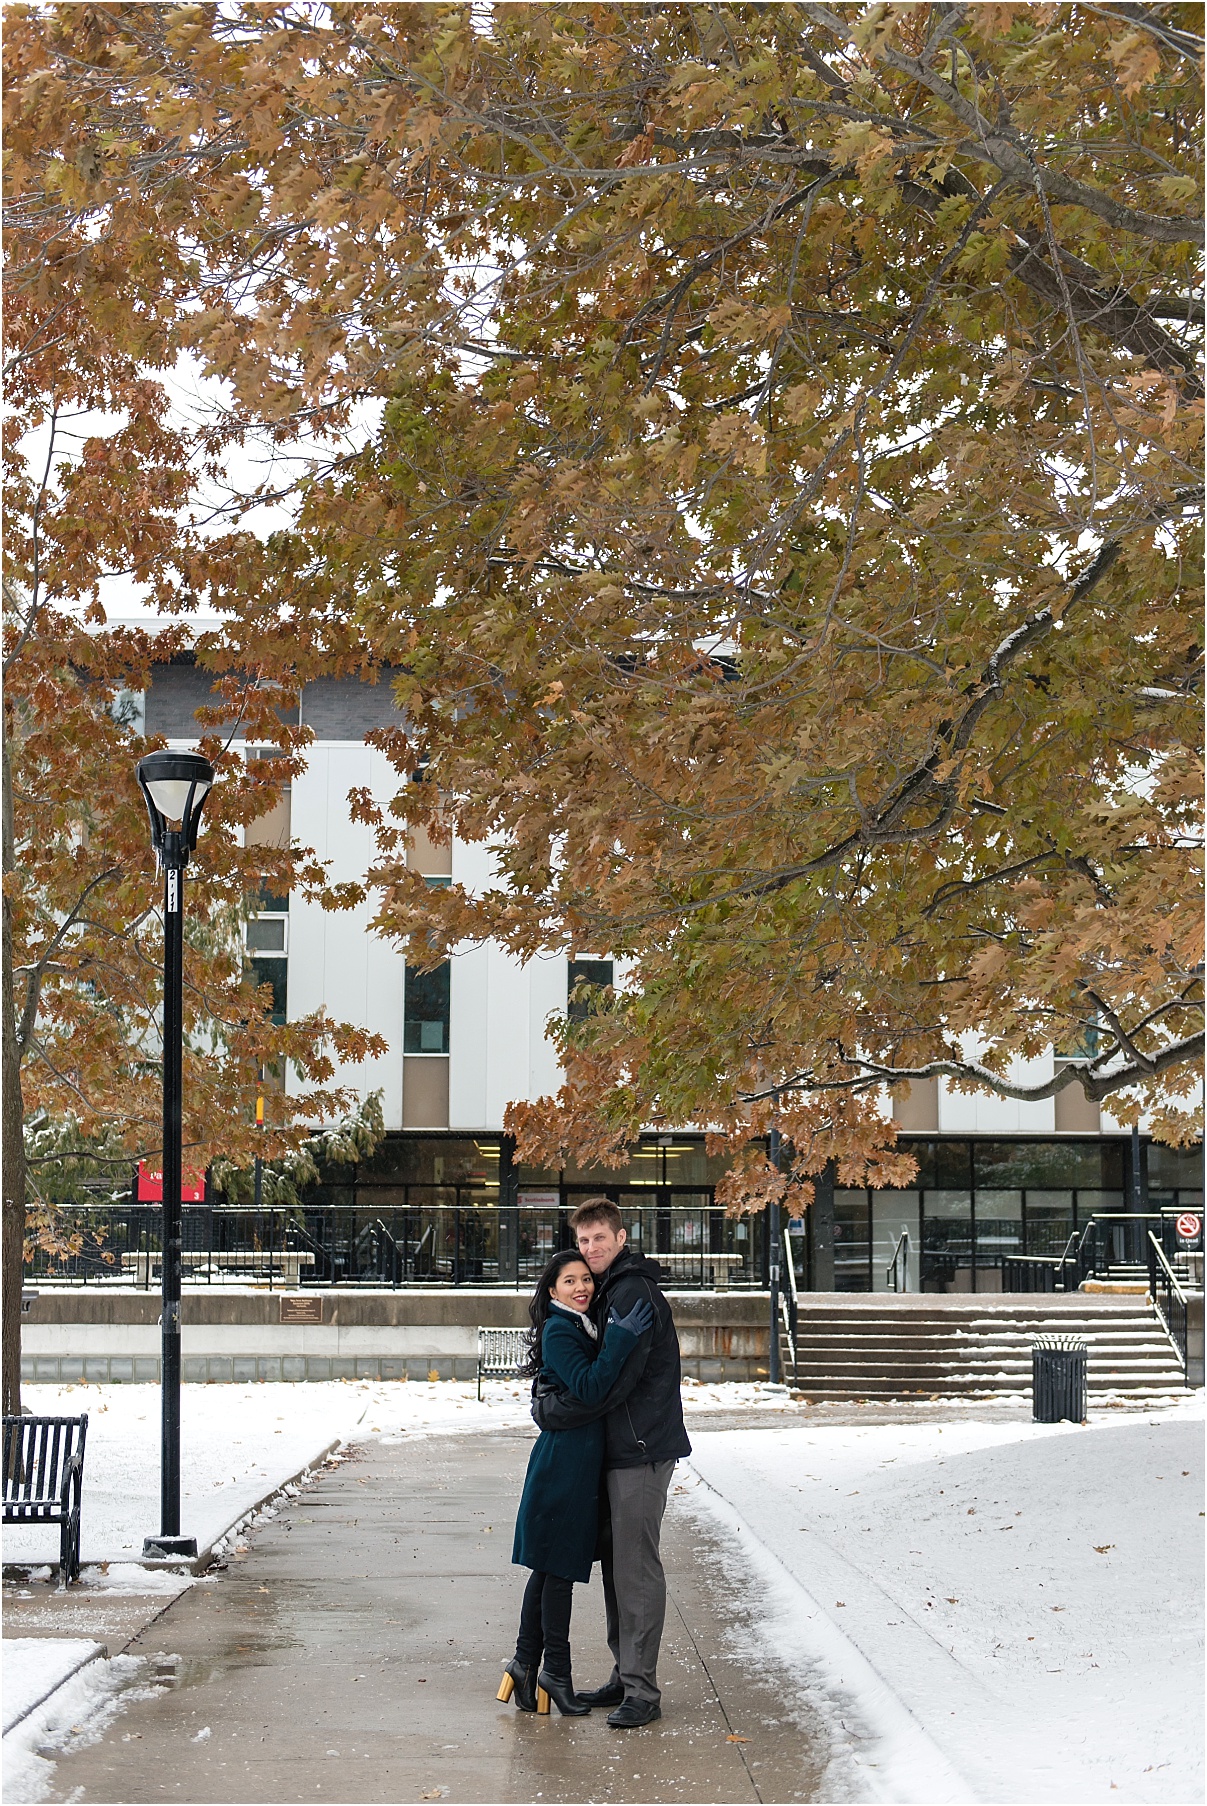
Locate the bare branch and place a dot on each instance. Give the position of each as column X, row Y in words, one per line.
column 33, row 984
column 999, row 147
column 869, row 1073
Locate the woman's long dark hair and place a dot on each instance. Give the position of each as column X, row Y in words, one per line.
column 538, row 1309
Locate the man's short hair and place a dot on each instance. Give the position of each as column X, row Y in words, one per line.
column 596, row 1210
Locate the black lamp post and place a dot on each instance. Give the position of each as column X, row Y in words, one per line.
column 174, row 787
column 774, row 1255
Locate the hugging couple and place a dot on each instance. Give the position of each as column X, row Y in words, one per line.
column 604, row 1361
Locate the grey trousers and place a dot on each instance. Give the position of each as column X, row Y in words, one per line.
column 634, row 1584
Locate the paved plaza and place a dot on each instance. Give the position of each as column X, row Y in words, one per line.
column 354, row 1651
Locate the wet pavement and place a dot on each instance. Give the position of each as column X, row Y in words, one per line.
column 354, row 1653
column 89, row 1611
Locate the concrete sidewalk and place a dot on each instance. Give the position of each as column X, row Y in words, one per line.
column 354, row 1655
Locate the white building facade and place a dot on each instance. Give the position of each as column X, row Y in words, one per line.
column 997, row 1177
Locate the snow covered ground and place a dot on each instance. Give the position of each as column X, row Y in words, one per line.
column 1009, row 1611
column 986, row 1610
column 35, row 1666
column 76, row 1713
column 239, row 1443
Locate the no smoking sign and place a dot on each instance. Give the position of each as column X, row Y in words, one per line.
column 1188, row 1226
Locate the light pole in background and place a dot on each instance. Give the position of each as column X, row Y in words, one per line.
column 174, row 787
column 774, row 1254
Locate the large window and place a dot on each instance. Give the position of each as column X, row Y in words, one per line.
column 426, row 1011
column 266, row 938
column 584, row 978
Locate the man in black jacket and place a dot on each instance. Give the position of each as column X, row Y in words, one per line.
column 644, row 1422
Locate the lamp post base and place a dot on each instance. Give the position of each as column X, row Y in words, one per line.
column 165, row 1547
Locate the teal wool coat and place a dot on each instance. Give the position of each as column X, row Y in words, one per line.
column 558, row 1519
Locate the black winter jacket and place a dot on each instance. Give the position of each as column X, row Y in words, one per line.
column 643, row 1413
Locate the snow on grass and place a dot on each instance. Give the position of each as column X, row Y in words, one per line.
column 235, row 1447
column 35, row 1666
column 75, row 1715
column 241, row 1443
column 999, row 1612
column 995, row 1610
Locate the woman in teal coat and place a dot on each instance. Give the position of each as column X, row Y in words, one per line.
column 558, row 1521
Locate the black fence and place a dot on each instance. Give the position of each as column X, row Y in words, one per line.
column 1117, row 1244
column 1168, row 1296
column 407, row 1245
column 428, row 1243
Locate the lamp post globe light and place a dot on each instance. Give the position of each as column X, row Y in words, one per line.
column 174, row 787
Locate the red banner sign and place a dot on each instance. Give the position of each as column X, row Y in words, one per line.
column 150, row 1185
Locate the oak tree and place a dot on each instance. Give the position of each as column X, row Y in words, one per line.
column 772, row 449
column 106, row 488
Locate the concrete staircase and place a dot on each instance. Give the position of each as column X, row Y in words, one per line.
column 861, row 1345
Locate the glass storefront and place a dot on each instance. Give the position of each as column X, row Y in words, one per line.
column 975, row 1203
column 457, row 1209
column 433, row 1208
column 466, row 1213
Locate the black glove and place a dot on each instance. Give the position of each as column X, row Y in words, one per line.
column 554, row 1409
column 639, row 1319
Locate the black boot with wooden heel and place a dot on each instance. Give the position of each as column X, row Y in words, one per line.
column 560, row 1689
column 519, row 1683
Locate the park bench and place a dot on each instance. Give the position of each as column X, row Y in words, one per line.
column 44, row 1480
column 689, row 1266
column 500, row 1352
column 285, row 1262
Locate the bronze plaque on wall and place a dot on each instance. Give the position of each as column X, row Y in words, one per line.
column 301, row 1310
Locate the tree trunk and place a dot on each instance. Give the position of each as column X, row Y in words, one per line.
column 12, row 1151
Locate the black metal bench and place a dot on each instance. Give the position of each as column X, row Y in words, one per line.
column 500, row 1353
column 44, row 1480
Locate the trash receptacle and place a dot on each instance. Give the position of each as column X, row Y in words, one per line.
column 1058, row 1385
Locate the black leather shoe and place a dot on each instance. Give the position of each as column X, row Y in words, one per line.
column 524, row 1690
column 634, row 1712
column 560, row 1689
column 611, row 1695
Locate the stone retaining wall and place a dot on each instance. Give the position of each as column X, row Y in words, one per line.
column 237, row 1334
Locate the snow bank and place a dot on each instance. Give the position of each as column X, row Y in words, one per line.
column 35, row 1666
column 1014, row 1604
column 75, row 1715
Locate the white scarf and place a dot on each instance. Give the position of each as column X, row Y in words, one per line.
column 579, row 1317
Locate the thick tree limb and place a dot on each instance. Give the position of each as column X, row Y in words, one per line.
column 1110, row 312
column 35, row 974
column 1096, row 1085
column 1007, row 154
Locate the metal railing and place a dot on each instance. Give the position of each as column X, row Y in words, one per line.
column 411, row 1244
column 896, row 1274
column 1061, row 1272
column 790, row 1301
column 1168, row 1296
column 1111, row 1240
